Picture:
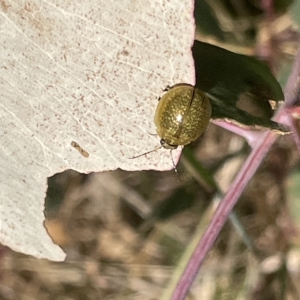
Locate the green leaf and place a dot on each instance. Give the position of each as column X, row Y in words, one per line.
column 238, row 86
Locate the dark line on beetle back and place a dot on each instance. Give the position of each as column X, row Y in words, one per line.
column 180, row 127
column 192, row 99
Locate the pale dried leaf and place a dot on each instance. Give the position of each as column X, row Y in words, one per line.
column 86, row 74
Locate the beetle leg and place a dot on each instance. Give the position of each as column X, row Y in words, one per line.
column 167, row 88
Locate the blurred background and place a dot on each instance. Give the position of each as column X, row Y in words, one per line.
column 125, row 232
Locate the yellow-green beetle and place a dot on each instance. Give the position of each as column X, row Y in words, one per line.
column 182, row 115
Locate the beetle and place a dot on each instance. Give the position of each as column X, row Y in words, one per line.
column 181, row 116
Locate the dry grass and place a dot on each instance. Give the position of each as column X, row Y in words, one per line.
column 120, row 246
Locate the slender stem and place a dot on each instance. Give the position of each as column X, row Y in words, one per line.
column 221, row 214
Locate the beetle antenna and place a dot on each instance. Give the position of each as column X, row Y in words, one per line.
column 155, row 149
column 145, row 153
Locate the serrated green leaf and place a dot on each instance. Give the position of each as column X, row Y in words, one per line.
column 227, row 77
column 224, row 73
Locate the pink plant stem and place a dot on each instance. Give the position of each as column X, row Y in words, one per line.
column 260, row 149
column 222, row 213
